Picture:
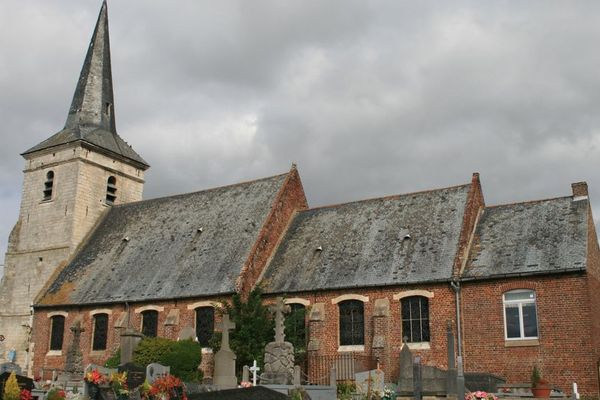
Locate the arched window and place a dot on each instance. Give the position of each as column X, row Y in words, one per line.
column 415, row 318
column 111, row 190
column 100, row 332
column 205, row 325
column 295, row 326
column 48, row 185
column 352, row 323
column 57, row 332
column 520, row 315
column 150, row 323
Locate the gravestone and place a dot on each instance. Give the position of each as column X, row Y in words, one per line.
column 432, row 381
column 224, row 374
column 187, row 333
column 155, row 371
column 279, row 355
column 370, row 381
column 74, row 360
column 10, row 367
column 129, row 341
column 136, row 374
column 23, row 382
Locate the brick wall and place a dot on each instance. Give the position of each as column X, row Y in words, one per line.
column 289, row 199
column 565, row 352
column 593, row 273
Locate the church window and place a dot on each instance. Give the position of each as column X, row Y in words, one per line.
column 352, row 323
column 100, row 332
column 205, row 325
column 150, row 323
column 520, row 315
column 57, row 332
column 295, row 326
column 48, row 185
column 415, row 319
column 111, row 190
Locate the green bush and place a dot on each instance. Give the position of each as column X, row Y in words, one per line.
column 182, row 356
column 115, row 360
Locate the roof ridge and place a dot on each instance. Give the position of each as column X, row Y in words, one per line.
column 173, row 196
column 528, row 202
column 384, row 197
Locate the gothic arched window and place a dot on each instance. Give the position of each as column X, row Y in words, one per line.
column 111, row 190
column 205, row 325
column 48, row 185
column 150, row 323
column 352, row 323
column 415, row 318
column 100, row 332
column 57, row 332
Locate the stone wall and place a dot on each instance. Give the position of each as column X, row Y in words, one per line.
column 49, row 231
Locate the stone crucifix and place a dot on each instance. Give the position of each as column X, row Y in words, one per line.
column 279, row 308
column 225, row 326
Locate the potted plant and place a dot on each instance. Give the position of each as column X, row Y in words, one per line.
column 540, row 388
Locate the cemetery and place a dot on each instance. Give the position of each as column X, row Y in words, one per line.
column 278, row 377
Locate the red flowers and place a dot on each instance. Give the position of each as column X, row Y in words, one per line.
column 25, row 395
column 167, row 388
column 95, row 377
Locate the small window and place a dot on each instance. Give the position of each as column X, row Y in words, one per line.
column 150, row 323
column 48, row 185
column 57, row 332
column 415, row 319
column 205, row 325
column 520, row 315
column 111, row 190
column 295, row 326
column 100, row 332
column 352, row 323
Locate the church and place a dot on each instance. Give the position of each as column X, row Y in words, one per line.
column 516, row 284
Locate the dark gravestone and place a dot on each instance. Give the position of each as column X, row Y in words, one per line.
column 23, row 381
column 136, row 374
column 107, row 393
column 10, row 367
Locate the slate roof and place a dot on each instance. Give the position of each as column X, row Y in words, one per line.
column 153, row 250
column 364, row 244
column 91, row 118
column 530, row 238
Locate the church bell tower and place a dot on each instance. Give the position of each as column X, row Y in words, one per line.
column 70, row 180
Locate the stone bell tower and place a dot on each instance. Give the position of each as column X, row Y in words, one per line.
column 70, row 180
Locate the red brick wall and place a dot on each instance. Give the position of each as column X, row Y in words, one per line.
column 565, row 353
column 593, row 272
column 441, row 309
column 41, row 334
column 289, row 199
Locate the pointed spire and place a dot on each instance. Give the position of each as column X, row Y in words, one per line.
column 91, row 118
column 93, row 103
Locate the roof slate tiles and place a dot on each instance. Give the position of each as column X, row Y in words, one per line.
column 365, row 243
column 154, row 249
column 529, row 238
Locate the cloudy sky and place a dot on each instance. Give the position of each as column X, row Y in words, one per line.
column 369, row 98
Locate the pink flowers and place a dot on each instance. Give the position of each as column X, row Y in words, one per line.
column 245, row 384
column 480, row 395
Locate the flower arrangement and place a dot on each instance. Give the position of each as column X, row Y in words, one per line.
column 118, row 382
column 480, row 395
column 25, row 395
column 56, row 394
column 245, row 384
column 165, row 388
column 96, row 378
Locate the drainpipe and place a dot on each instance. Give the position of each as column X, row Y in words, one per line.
column 456, row 287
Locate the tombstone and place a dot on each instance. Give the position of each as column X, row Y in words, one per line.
column 187, row 333
column 245, row 374
column 417, row 378
column 23, row 382
column 90, row 390
column 254, row 369
column 10, row 367
column 405, row 381
column 368, row 382
column 224, row 373
column 279, row 355
column 136, row 374
column 297, row 376
column 74, row 359
column 129, row 341
column 155, row 371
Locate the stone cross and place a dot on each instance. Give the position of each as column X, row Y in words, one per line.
column 74, row 359
column 254, row 369
column 225, row 326
column 279, row 308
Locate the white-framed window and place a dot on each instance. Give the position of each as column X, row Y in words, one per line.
column 520, row 315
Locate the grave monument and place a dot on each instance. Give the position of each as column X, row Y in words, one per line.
column 279, row 355
column 225, row 358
